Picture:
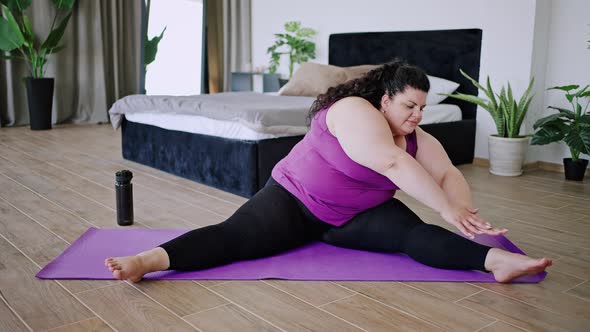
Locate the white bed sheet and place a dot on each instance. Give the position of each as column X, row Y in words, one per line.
column 235, row 130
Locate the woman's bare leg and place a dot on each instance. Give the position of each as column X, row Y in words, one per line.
column 133, row 268
column 507, row 266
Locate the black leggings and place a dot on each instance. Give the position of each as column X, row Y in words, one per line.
column 274, row 221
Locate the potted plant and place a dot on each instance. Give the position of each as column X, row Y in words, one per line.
column 17, row 35
column 508, row 148
column 571, row 126
column 295, row 43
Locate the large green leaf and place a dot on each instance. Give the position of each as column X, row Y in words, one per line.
column 490, row 94
column 64, row 4
column 551, row 132
column 17, row 6
column 550, row 118
column 565, row 87
column 524, row 109
column 564, row 111
column 581, row 92
column 10, row 35
column 488, row 91
column 151, row 48
column 584, row 120
column 525, row 96
column 578, row 139
column 56, row 49
column 55, row 36
column 28, row 32
column 469, row 98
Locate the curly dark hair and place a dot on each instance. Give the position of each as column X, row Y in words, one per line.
column 391, row 78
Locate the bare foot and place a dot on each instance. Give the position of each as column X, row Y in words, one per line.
column 507, row 266
column 128, row 267
column 133, row 268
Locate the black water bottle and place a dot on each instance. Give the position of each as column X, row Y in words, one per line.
column 124, row 193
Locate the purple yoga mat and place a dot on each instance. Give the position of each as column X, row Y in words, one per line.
column 84, row 259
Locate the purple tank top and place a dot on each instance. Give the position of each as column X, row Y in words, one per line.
column 331, row 185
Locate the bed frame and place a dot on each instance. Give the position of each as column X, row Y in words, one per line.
column 242, row 167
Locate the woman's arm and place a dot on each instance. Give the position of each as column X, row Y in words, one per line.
column 366, row 138
column 432, row 156
column 456, row 187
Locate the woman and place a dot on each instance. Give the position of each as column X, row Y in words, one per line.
column 336, row 185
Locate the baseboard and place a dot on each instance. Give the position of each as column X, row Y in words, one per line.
column 558, row 168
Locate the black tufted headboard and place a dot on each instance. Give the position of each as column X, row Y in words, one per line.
column 440, row 53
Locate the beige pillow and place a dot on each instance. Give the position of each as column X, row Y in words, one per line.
column 313, row 79
column 355, row 72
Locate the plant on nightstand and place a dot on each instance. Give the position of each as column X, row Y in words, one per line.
column 571, row 126
column 508, row 148
column 295, row 43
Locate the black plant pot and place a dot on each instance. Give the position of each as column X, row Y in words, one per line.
column 574, row 170
column 40, row 98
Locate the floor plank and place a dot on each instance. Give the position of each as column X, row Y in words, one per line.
column 440, row 313
column 8, row 320
column 42, row 304
column 500, row 326
column 280, row 309
column 124, row 308
column 92, row 324
column 316, row 293
column 547, row 295
column 230, row 318
column 582, row 291
column 450, row 291
column 374, row 316
column 183, row 297
column 521, row 314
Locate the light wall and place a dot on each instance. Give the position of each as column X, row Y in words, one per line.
column 514, row 41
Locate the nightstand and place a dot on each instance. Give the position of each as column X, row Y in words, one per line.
column 244, row 81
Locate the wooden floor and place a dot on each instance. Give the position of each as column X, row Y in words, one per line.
column 55, row 184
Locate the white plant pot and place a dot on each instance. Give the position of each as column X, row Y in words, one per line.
column 507, row 155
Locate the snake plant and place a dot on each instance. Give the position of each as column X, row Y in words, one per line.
column 507, row 112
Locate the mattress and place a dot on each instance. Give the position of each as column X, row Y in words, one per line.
column 236, row 130
column 259, row 112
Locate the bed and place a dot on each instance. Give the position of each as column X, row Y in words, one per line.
column 241, row 162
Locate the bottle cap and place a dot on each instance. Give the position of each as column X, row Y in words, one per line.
column 124, row 176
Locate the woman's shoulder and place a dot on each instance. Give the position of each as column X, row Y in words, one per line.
column 351, row 101
column 355, row 110
column 351, row 106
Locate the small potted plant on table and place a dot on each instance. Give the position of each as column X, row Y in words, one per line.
column 295, row 43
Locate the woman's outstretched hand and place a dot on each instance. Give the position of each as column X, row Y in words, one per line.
column 468, row 222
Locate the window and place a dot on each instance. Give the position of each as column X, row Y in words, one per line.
column 177, row 67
